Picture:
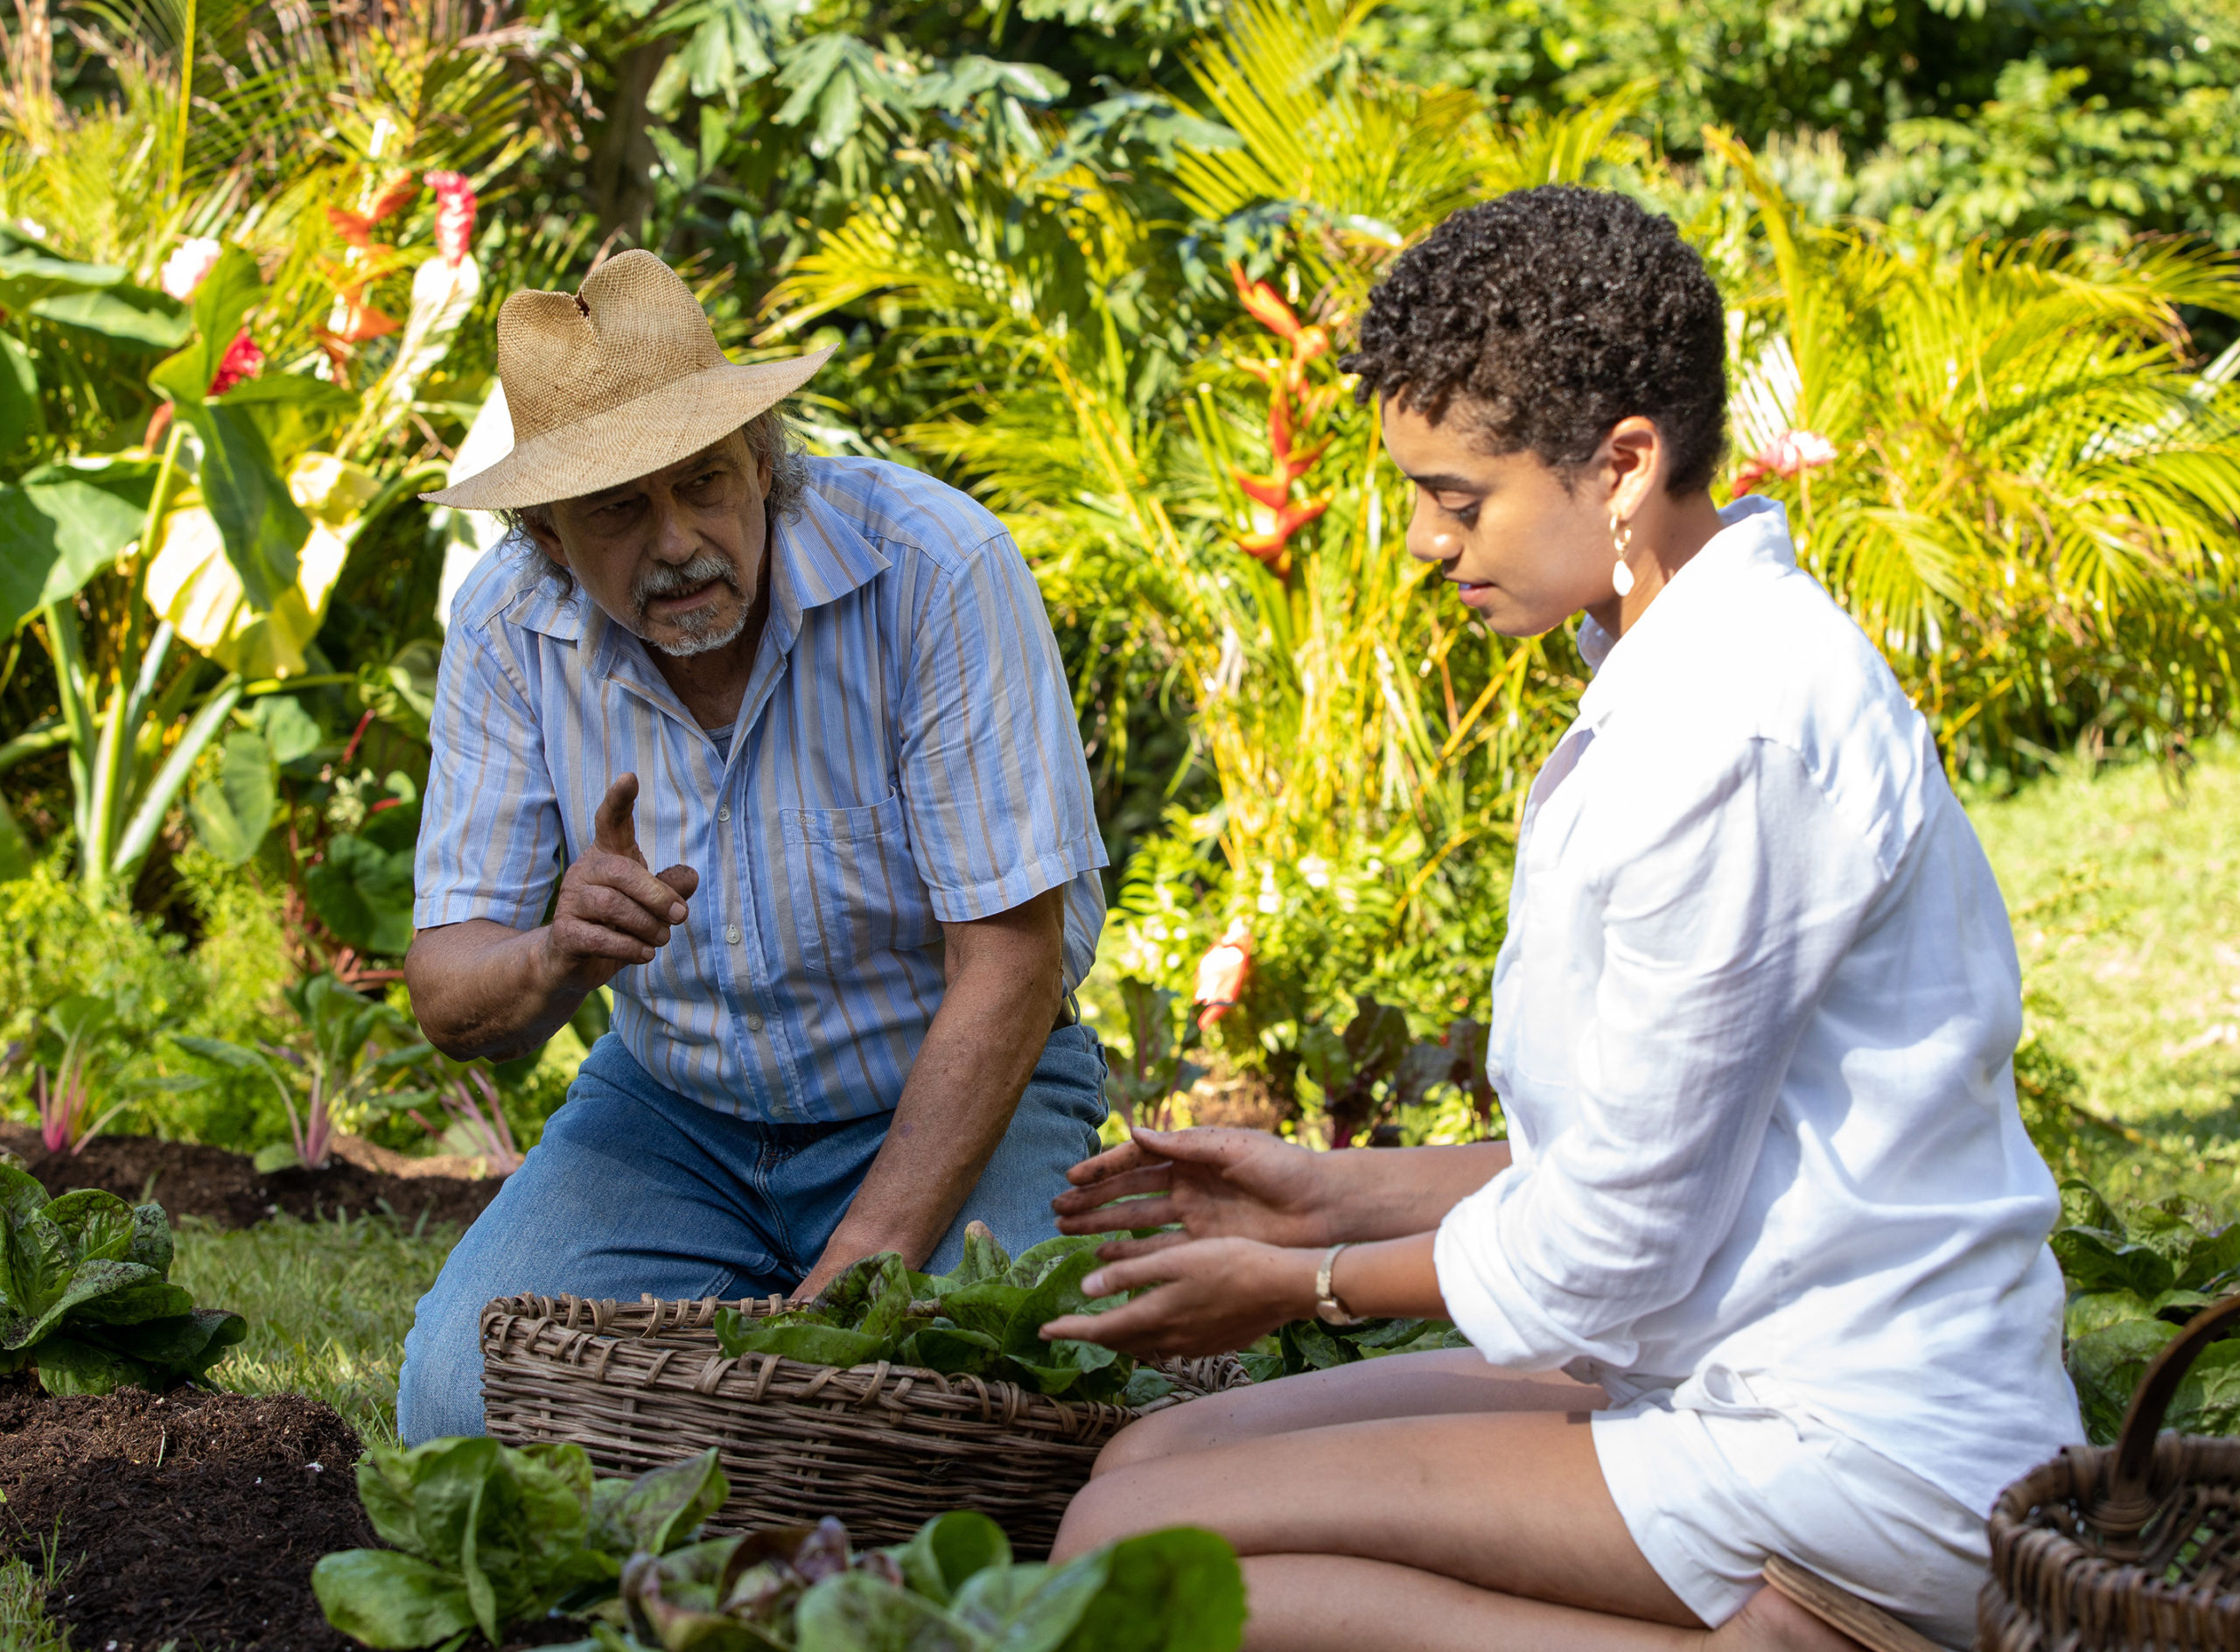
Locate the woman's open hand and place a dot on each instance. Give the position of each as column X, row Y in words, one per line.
column 1213, row 1296
column 1217, row 1183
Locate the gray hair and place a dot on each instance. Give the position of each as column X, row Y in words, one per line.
column 769, row 439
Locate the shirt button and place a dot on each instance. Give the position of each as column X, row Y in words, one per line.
column 731, row 934
column 724, row 812
column 754, row 1024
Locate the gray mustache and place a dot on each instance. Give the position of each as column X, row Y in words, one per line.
column 664, row 579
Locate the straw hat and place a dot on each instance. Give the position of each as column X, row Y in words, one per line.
column 614, row 382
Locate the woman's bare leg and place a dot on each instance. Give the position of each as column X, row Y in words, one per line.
column 1474, row 1528
column 1328, row 1603
column 1434, row 1384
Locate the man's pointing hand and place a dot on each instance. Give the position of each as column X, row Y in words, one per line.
column 611, row 911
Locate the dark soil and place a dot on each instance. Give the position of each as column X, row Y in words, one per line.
column 191, row 1180
column 189, row 1516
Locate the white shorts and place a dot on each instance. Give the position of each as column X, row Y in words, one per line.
column 1714, row 1475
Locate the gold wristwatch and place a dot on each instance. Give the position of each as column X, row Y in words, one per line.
column 1327, row 1308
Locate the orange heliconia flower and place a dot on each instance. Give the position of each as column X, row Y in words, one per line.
column 1222, row 973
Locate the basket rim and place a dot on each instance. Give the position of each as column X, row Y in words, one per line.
column 2021, row 1543
column 568, row 1313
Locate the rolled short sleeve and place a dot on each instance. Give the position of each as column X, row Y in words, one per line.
column 490, row 829
column 994, row 784
column 1733, row 897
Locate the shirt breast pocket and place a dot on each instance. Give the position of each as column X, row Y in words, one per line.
column 855, row 884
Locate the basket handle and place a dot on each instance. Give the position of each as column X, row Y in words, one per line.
column 2127, row 1504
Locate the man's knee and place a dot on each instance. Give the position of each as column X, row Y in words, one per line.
column 439, row 1391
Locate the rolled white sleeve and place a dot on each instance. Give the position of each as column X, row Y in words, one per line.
column 1726, row 907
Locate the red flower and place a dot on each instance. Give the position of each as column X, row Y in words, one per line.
column 1265, row 305
column 454, row 215
column 242, row 360
column 1787, row 454
column 1222, row 973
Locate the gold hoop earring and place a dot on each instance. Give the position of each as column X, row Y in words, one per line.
column 1622, row 576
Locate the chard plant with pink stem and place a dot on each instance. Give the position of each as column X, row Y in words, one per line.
column 471, row 1121
column 66, row 1102
column 337, row 1065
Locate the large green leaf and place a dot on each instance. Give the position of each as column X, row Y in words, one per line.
column 856, row 1611
column 951, row 1350
column 364, row 894
column 291, row 732
column 259, row 522
column 27, row 274
column 21, row 416
column 57, row 536
column 151, row 1244
column 181, row 1345
column 811, row 1344
column 2094, row 1260
column 233, row 811
column 389, row 1599
column 2106, row 1365
column 94, row 1225
column 87, row 1288
column 292, row 411
column 1031, row 1609
column 129, row 317
column 660, row 1508
column 1178, row 1590
column 68, row 1366
column 231, row 290
column 950, row 1548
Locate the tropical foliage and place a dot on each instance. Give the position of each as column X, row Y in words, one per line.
column 1100, row 263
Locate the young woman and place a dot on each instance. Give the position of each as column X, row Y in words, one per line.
column 1762, row 1268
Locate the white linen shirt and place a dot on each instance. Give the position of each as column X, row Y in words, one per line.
column 1753, row 1025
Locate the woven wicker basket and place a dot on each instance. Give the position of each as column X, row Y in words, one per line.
column 883, row 1447
column 2137, row 1545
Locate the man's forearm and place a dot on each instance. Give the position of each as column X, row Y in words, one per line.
column 979, row 1055
column 484, row 989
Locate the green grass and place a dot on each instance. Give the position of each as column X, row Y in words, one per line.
column 2123, row 885
column 328, row 1304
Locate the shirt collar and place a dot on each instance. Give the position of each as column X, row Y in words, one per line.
column 1755, row 541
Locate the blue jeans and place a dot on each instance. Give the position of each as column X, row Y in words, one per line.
column 633, row 1189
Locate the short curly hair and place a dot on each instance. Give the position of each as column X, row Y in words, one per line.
column 1545, row 316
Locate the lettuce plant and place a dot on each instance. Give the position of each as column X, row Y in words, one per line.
column 86, row 1297
column 952, row 1586
column 482, row 1535
column 984, row 1319
column 2131, row 1283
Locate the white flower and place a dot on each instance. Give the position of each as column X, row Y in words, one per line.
column 188, row 265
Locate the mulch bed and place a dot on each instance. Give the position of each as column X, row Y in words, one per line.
column 192, row 1180
column 189, row 1516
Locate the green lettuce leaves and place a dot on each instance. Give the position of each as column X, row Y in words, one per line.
column 86, row 1296
column 482, row 1535
column 953, row 1587
column 983, row 1318
column 2133, row 1282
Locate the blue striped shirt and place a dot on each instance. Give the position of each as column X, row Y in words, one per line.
column 906, row 756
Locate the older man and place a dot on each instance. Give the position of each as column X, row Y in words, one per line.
column 823, row 697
